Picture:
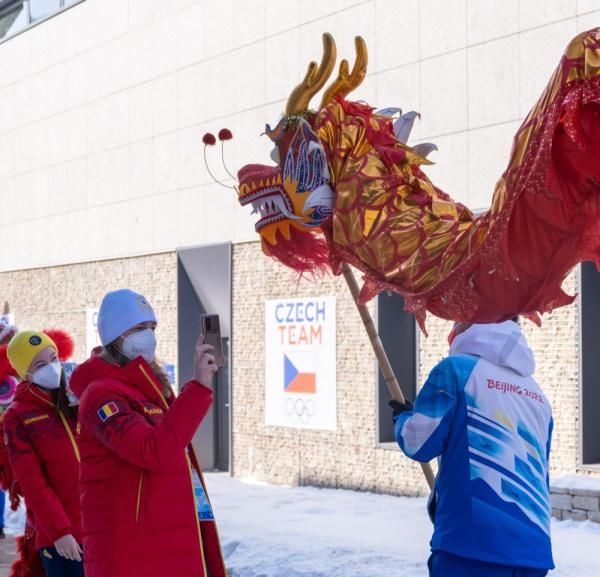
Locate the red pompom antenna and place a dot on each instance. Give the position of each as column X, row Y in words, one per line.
column 63, row 341
column 209, row 140
column 225, row 134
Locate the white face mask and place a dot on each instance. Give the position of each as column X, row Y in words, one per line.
column 140, row 344
column 48, row 376
column 73, row 399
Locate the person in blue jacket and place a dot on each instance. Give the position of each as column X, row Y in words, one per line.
column 489, row 423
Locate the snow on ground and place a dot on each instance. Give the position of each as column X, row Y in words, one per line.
column 274, row 531
column 575, row 482
column 14, row 521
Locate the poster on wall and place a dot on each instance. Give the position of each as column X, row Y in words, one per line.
column 300, row 360
column 92, row 338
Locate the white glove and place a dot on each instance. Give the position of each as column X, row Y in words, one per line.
column 68, row 548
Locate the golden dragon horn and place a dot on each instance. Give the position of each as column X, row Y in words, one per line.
column 315, row 78
column 346, row 80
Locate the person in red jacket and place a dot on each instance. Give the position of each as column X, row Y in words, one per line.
column 8, row 387
column 144, row 505
column 28, row 562
column 40, row 428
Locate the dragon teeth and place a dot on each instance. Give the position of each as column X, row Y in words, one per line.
column 266, row 208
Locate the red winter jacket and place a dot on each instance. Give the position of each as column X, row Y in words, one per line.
column 28, row 562
column 44, row 458
column 137, row 499
column 7, row 478
column 8, row 482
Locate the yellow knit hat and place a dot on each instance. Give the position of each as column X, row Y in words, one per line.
column 24, row 346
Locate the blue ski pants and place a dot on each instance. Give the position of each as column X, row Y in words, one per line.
column 57, row 566
column 442, row 564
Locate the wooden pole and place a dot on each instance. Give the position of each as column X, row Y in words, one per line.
column 380, row 354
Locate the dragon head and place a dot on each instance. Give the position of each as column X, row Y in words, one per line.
column 314, row 152
column 295, row 192
column 293, row 198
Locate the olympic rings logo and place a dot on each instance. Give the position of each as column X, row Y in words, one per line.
column 300, row 409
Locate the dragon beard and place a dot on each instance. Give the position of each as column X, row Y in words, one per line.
column 304, row 252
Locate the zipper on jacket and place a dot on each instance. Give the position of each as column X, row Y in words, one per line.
column 139, row 498
column 71, row 436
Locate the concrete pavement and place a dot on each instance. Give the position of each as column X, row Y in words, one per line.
column 7, row 555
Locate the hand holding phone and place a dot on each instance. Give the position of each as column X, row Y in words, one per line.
column 210, row 327
column 204, row 362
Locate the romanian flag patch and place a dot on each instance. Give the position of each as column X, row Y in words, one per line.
column 108, row 411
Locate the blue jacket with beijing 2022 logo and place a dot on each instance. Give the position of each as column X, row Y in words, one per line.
column 487, row 419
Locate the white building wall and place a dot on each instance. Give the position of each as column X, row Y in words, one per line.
column 103, row 107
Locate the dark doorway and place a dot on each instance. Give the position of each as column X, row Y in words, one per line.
column 590, row 364
column 204, row 286
column 398, row 333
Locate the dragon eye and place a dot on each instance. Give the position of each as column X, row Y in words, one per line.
column 275, row 155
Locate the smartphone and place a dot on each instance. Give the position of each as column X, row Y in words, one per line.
column 211, row 329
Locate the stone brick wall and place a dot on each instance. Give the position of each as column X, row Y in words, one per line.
column 576, row 500
column 59, row 296
column 350, row 457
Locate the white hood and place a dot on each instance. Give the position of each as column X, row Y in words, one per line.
column 502, row 344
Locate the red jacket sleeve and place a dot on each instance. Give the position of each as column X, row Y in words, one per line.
column 128, row 434
column 49, row 513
